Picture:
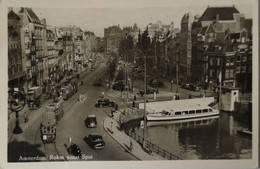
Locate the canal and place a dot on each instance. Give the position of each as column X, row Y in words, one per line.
column 207, row 138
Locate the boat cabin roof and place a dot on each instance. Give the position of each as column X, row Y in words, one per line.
column 179, row 105
column 187, row 108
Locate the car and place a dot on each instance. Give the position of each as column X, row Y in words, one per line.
column 156, row 83
column 91, row 121
column 105, row 103
column 96, row 141
column 74, row 150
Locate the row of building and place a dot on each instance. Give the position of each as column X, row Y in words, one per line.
column 39, row 54
column 217, row 42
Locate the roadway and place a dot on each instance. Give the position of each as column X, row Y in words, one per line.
column 72, row 125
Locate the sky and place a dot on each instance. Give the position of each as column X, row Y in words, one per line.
column 95, row 15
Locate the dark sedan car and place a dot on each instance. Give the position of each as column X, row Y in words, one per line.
column 96, row 141
column 105, row 103
column 91, row 121
column 74, row 150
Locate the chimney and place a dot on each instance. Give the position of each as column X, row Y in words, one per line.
column 217, row 18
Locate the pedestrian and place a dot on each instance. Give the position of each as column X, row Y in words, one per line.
column 134, row 97
column 131, row 145
column 25, row 117
column 112, row 113
column 189, row 96
column 133, row 103
column 81, row 83
column 103, row 95
column 174, row 97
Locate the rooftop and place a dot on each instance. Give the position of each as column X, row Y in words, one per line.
column 31, row 15
column 225, row 13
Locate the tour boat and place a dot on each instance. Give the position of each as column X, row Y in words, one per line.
column 182, row 109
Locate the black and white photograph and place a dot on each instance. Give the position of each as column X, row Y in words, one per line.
column 131, row 84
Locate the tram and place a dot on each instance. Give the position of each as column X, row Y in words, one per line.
column 48, row 127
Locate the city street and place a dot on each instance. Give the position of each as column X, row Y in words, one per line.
column 71, row 125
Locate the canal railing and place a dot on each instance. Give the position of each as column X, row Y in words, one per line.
column 152, row 147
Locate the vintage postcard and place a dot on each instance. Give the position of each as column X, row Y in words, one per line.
column 129, row 84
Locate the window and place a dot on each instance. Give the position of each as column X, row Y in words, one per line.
column 227, row 73
column 184, row 112
column 198, row 111
column 238, row 58
column 232, row 61
column 192, row 112
column 205, row 110
column 218, row 62
column 238, row 69
column 243, row 68
column 243, row 58
column 178, row 113
column 231, row 73
column 227, row 61
column 211, row 61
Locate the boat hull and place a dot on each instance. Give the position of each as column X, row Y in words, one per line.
column 154, row 117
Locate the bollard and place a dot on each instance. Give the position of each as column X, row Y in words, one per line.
column 111, row 127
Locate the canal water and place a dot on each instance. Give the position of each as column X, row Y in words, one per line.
column 206, row 138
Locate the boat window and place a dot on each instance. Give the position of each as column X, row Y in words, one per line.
column 184, row 112
column 178, row 113
column 191, row 111
column 210, row 110
column 198, row 111
column 205, row 110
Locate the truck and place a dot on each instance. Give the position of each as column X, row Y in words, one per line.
column 34, row 97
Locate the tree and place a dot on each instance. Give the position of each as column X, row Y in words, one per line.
column 126, row 48
column 111, row 69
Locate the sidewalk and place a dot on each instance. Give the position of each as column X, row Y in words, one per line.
column 124, row 140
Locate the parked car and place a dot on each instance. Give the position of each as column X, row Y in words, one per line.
column 96, row 141
column 91, row 121
column 105, row 103
column 189, row 86
column 74, row 150
column 156, row 83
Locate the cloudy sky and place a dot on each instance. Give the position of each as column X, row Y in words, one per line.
column 99, row 14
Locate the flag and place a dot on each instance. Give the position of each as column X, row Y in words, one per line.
column 220, row 77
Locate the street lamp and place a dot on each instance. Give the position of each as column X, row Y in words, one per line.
column 16, row 104
column 171, row 85
column 144, row 97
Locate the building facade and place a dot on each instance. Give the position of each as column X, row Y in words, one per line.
column 16, row 61
column 112, row 36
